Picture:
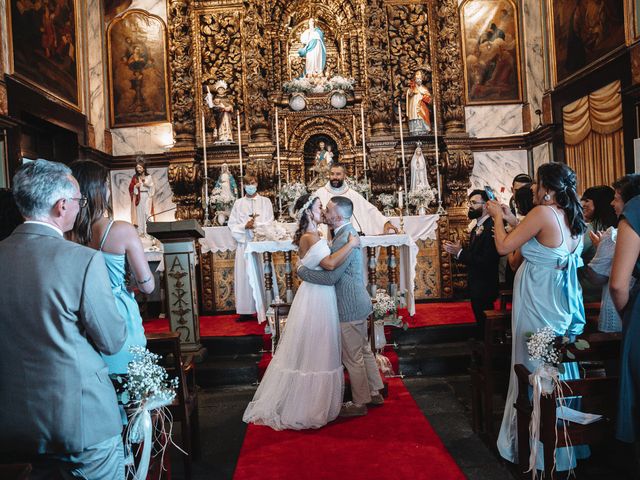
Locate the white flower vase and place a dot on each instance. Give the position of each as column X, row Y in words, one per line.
column 221, row 218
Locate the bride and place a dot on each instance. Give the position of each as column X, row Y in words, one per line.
column 304, row 383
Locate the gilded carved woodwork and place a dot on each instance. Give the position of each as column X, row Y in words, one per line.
column 458, row 165
column 377, row 75
column 446, row 276
column 450, row 67
column 181, row 66
column 186, row 183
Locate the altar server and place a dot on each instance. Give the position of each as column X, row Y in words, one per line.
column 366, row 217
column 248, row 212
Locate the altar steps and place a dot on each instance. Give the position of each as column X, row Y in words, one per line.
column 230, row 361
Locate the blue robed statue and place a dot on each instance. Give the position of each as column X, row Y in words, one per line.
column 314, row 51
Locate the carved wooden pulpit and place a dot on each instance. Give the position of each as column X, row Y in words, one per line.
column 179, row 241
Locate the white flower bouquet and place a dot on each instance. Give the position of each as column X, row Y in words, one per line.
column 339, row 83
column 383, row 304
column 146, row 380
column 290, row 192
column 422, row 197
column 359, row 186
column 387, row 200
column 221, row 201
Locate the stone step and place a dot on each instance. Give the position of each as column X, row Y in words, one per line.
column 225, row 346
column 432, row 335
column 431, row 360
column 228, row 370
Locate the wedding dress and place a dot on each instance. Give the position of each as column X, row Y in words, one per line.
column 304, row 383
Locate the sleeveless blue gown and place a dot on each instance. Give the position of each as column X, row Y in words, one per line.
column 127, row 307
column 628, row 426
column 546, row 293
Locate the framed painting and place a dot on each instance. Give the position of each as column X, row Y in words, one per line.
column 491, row 51
column 583, row 32
column 138, row 85
column 44, row 49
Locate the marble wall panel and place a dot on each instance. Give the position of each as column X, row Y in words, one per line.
column 497, row 170
column 534, row 56
column 149, row 139
column 97, row 98
column 541, row 154
column 156, row 7
column 4, row 36
column 121, row 201
column 493, row 120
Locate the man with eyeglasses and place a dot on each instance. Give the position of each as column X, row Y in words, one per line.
column 59, row 410
column 480, row 257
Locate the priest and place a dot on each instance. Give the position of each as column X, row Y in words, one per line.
column 366, row 217
column 247, row 213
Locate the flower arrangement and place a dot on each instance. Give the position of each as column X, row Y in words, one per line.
column 318, row 84
column 546, row 347
column 422, row 197
column 339, row 83
column 290, row 192
column 383, row 304
column 359, row 186
column 220, row 201
column 387, row 200
column 147, row 381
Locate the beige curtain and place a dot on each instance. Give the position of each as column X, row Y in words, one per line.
column 594, row 145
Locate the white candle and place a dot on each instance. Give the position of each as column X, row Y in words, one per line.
column 404, row 165
column 206, row 170
column 355, row 132
column 435, row 132
column 278, row 160
column 364, row 142
column 286, row 137
column 400, row 199
column 240, row 155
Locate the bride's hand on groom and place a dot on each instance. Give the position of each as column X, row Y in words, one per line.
column 354, row 240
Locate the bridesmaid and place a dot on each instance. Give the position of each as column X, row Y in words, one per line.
column 120, row 245
column 546, row 292
column 626, row 262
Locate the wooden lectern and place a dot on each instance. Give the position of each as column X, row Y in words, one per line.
column 179, row 241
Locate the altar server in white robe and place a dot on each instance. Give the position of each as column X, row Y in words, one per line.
column 366, row 217
column 247, row 213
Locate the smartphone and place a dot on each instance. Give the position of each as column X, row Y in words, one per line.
column 489, row 192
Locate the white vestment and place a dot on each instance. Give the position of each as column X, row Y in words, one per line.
column 241, row 213
column 366, row 217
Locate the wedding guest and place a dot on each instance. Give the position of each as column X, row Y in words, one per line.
column 599, row 215
column 248, row 212
column 59, row 409
column 626, row 263
column 10, row 216
column 480, row 257
column 121, row 248
column 518, row 182
column 524, row 204
column 599, row 268
column 550, row 238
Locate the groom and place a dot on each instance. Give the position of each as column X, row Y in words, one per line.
column 354, row 306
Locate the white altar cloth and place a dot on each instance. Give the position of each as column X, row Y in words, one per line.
column 217, row 239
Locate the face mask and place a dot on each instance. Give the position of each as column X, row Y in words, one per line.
column 473, row 213
column 250, row 189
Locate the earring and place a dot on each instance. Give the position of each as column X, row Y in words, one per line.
column 546, row 197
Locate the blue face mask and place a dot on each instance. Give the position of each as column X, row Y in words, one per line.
column 250, row 189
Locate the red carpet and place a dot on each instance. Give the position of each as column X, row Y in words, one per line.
column 394, row 441
column 212, row 326
column 441, row 313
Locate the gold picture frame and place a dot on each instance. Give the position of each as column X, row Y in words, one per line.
column 490, row 32
column 44, row 48
column 137, row 70
column 575, row 44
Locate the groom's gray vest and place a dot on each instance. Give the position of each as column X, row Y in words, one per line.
column 354, row 302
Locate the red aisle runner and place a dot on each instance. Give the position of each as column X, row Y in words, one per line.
column 394, row 441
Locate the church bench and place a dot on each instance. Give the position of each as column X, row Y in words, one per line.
column 599, row 396
column 489, row 369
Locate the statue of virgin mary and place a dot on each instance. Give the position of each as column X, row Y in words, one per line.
column 313, row 51
column 419, row 179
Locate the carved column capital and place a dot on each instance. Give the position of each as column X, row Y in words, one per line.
column 185, row 178
column 457, row 168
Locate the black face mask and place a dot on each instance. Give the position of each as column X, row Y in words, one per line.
column 337, row 183
column 474, row 213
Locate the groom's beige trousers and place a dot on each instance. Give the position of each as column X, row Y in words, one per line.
column 359, row 361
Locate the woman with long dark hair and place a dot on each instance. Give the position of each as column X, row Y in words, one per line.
column 304, row 383
column 546, row 292
column 120, row 245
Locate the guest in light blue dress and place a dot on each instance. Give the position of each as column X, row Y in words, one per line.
column 119, row 243
column 546, row 292
column 626, row 263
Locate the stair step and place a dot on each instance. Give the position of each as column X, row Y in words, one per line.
column 432, row 360
column 228, row 370
column 431, row 335
column 226, row 346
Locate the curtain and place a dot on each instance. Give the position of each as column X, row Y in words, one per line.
column 593, row 136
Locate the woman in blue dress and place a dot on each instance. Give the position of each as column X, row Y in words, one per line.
column 546, row 292
column 626, row 262
column 119, row 243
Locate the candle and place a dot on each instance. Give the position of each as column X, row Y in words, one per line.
column 240, row 154
column 286, row 137
column 400, row 199
column 355, row 133
column 364, row 142
column 206, row 170
column 278, row 160
column 435, row 132
column 404, row 165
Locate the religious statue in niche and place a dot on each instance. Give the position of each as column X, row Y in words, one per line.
column 223, row 110
column 226, row 183
column 419, row 179
column 313, row 51
column 141, row 190
column 418, row 100
column 321, row 165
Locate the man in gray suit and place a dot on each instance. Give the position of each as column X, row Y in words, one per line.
column 58, row 407
column 354, row 307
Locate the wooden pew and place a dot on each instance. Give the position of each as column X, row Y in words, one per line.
column 599, row 395
column 489, row 370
